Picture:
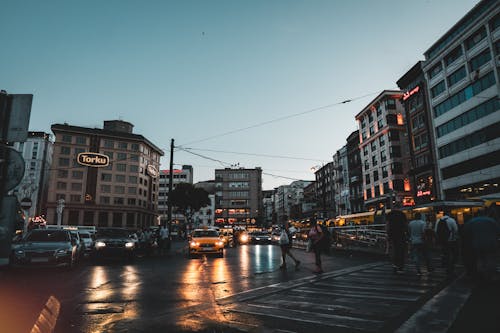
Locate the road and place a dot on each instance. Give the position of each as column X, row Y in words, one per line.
column 244, row 291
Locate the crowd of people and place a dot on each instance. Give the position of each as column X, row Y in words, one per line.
column 476, row 241
column 151, row 240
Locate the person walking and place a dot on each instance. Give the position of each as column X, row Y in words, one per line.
column 286, row 246
column 316, row 235
column 164, row 240
column 447, row 237
column 417, row 232
column 397, row 235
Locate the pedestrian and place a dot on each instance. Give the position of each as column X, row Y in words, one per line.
column 316, row 235
column 147, row 241
column 480, row 245
column 447, row 237
column 397, row 235
column 163, row 240
column 286, row 245
column 417, row 231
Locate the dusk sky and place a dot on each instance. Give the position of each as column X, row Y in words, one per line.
column 197, row 70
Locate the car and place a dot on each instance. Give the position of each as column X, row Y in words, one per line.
column 206, row 241
column 45, row 247
column 227, row 237
column 87, row 240
column 260, row 237
column 114, row 242
column 243, row 237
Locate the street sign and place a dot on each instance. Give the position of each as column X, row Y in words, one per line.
column 26, row 203
column 14, row 162
column 19, row 119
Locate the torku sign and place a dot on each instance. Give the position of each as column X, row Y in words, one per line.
column 95, row 160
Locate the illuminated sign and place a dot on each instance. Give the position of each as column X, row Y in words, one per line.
column 408, row 94
column 93, row 160
column 152, row 171
column 424, row 186
column 408, row 201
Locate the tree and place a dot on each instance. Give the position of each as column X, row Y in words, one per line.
column 188, row 199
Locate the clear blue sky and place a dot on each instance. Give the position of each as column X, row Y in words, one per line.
column 189, row 70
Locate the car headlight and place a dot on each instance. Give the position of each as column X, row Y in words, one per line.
column 129, row 245
column 62, row 252
column 244, row 238
column 20, row 252
column 193, row 243
column 100, row 245
column 219, row 243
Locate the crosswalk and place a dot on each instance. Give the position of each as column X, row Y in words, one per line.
column 367, row 298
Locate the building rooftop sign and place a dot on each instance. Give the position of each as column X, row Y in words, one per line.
column 93, row 160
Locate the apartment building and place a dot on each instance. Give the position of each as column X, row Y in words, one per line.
column 355, row 175
column 183, row 175
column 341, row 182
column 325, row 191
column 238, row 196
column 103, row 177
column 462, row 73
column 384, row 151
column 37, row 154
column 421, row 140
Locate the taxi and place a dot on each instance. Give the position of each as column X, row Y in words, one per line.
column 206, row 241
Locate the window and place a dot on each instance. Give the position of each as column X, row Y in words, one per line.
column 465, row 94
column 391, row 119
column 393, row 135
column 106, row 177
column 381, row 141
column 134, row 146
column 61, row 185
column 120, row 178
column 379, row 110
column 118, row 201
column 65, row 150
column 131, row 201
column 132, row 190
column 132, row 179
column 109, row 144
column 479, row 60
column 133, row 168
column 367, row 165
column 373, row 146
column 119, row 189
column 60, row 196
column 370, row 117
column 438, row 89
column 121, row 167
column 472, row 140
column 372, row 130
column 456, row 76
column 121, row 156
column 375, row 175
column 435, row 70
column 62, row 173
column 134, row 158
column 475, row 38
column 66, row 138
column 374, row 160
column 106, row 188
column 470, row 116
column 383, row 156
column 496, row 46
column 122, row 145
column 453, row 55
column 418, row 122
column 395, row 151
column 420, row 141
column 103, row 219
column 63, row 161
column 75, row 198
column 104, row 200
column 385, row 174
column 396, row 168
column 363, row 123
column 81, row 140
column 365, row 151
column 495, row 23
column 391, row 104
column 380, row 123
column 77, row 174
column 76, row 186
column 367, row 179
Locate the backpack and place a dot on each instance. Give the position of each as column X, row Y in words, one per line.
column 443, row 231
column 326, row 241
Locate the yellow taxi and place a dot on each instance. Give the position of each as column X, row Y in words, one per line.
column 206, row 241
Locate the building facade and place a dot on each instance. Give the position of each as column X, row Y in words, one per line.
column 341, row 182
column 206, row 215
column 462, row 73
column 103, row 177
column 238, row 196
column 325, row 191
column 384, row 151
column 421, row 140
column 183, row 175
column 355, row 174
column 37, row 154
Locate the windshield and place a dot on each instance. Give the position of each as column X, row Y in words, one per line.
column 205, row 233
column 113, row 233
column 47, row 236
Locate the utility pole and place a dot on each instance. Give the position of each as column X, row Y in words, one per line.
column 170, row 186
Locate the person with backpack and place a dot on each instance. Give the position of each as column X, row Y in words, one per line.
column 419, row 249
column 447, row 238
column 316, row 235
column 286, row 245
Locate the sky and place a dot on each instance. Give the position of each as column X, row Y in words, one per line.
column 234, row 82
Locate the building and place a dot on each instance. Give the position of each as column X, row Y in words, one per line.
column 206, row 215
column 309, row 204
column 325, row 191
column 421, row 140
column 289, row 201
column 37, row 154
column 268, row 207
column 462, row 74
column 183, row 175
column 103, row 177
column 238, row 196
column 384, row 151
column 355, row 174
column 341, row 182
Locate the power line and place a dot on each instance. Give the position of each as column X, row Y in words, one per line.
column 349, row 100
column 254, row 154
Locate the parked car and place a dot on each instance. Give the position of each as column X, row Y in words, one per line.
column 114, row 242
column 205, row 241
column 45, row 247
